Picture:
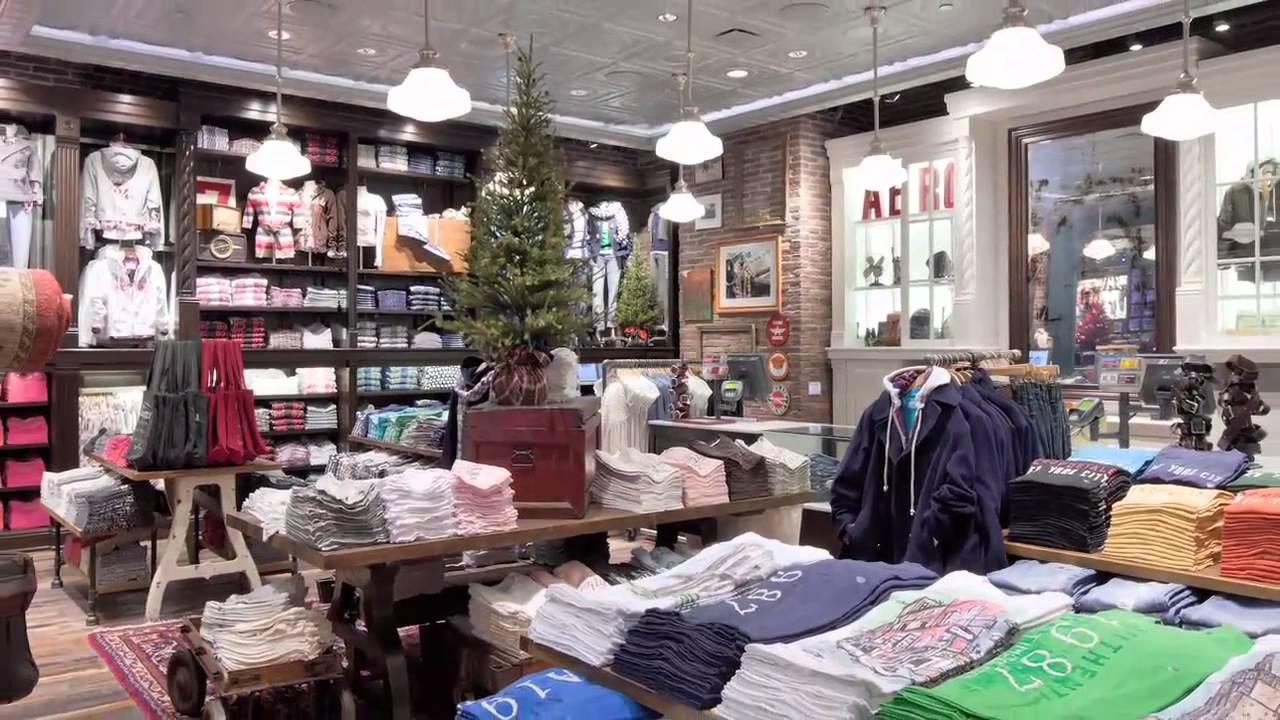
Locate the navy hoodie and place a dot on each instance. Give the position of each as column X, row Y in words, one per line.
column 934, row 467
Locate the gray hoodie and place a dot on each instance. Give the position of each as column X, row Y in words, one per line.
column 120, row 195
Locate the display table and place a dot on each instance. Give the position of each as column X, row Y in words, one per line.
column 180, row 488
column 393, row 447
column 91, row 547
column 363, row 611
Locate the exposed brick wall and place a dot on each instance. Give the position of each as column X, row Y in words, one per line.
column 51, row 71
column 777, row 184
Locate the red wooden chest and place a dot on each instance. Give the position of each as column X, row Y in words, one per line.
column 549, row 449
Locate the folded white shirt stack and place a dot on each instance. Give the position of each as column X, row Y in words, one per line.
column 636, row 481
column 788, row 471
column 316, row 381
column 335, row 514
column 263, row 628
column 269, row 505
column 500, row 615
column 419, row 504
column 704, row 478
column 592, row 625
column 54, row 485
column 483, row 501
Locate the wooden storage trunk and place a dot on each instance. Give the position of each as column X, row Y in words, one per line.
column 549, row 449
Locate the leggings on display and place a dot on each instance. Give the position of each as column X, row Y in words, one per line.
column 604, row 289
column 20, row 218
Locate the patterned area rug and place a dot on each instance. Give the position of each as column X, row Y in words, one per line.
column 138, row 656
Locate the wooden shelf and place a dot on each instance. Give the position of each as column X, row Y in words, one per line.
column 1208, row 579
column 403, row 273
column 21, row 405
column 298, row 433
column 262, row 309
column 302, row 398
column 393, row 447
column 374, row 394
column 270, row 267
column 24, row 490
column 23, row 447
column 228, row 155
column 135, row 475
column 408, row 313
column 411, row 175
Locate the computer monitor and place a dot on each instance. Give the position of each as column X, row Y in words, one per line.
column 1158, row 372
column 750, row 369
column 588, row 372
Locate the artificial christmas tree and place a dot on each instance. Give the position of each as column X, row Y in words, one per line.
column 637, row 312
column 520, row 290
column 1094, row 327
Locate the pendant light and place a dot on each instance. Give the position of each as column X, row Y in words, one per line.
column 1099, row 248
column 278, row 158
column 681, row 206
column 1015, row 56
column 878, row 170
column 689, row 141
column 428, row 93
column 1184, row 114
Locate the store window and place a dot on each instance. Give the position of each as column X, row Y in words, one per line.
column 1246, row 171
column 900, row 256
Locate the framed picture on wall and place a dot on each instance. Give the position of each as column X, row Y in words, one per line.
column 709, row 171
column 696, row 304
column 713, row 217
column 748, row 276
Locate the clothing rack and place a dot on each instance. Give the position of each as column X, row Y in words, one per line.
column 653, row 367
column 970, row 356
column 136, row 146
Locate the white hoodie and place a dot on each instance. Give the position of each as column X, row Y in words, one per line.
column 114, row 305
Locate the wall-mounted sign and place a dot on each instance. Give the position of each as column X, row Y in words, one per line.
column 778, row 330
column 779, row 367
column 934, row 187
column 779, row 400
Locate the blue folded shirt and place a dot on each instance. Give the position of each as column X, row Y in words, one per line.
column 1131, row 460
column 555, row 694
column 1151, row 598
column 1033, row 576
column 1254, row 618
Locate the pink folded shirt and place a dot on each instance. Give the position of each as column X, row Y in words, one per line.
column 27, row 515
column 26, row 431
column 26, row 387
column 23, row 473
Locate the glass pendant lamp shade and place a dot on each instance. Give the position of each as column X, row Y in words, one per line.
column 278, row 158
column 429, row 94
column 690, row 142
column 1014, row 58
column 880, row 171
column 1036, row 244
column 1099, row 248
column 681, row 207
column 1182, row 115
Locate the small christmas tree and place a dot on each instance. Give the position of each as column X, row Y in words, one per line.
column 1094, row 328
column 520, row 290
column 637, row 312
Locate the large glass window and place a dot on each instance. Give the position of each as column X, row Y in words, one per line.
column 900, row 256
column 1091, row 244
column 1247, row 168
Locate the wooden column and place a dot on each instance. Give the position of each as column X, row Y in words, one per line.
column 185, row 240
column 64, row 182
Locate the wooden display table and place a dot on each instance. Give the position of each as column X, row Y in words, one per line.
column 393, row 447
column 180, row 488
column 1208, row 579
column 91, row 547
column 363, row 611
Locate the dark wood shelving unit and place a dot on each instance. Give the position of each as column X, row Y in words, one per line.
column 393, row 447
column 313, row 397
column 424, row 274
column 298, row 433
column 375, row 394
column 269, row 267
column 8, row 449
column 211, row 153
column 23, row 405
column 411, row 175
column 21, row 491
column 259, row 309
column 408, row 313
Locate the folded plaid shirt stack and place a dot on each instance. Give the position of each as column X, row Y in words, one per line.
column 425, row 298
column 285, row 297
column 317, row 381
column 393, row 336
column 250, row 332
column 392, row 299
column 214, row 330
column 368, row 379
column 213, row 290
column 366, row 334
column 250, row 291
column 288, row 415
column 285, row 339
column 366, row 297
column 322, row 297
column 400, row 379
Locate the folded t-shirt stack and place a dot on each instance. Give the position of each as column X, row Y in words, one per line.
column 366, row 156
column 292, row 454
column 421, row 162
column 690, row 656
column 285, row 339
column 555, row 693
column 1131, row 460
column 213, row 290
column 1065, row 504
column 284, row 297
column 1244, row 688
column 483, row 500
column 1126, row 672
column 1034, row 576
column 1251, row 616
column 823, row 469
column 368, row 379
column 452, row 341
column 335, row 514
column 745, row 471
column 439, row 378
column 250, row 332
column 101, row 507
column 317, row 381
column 262, row 415
column 1251, row 536
column 393, row 157
column 32, row 430
column 269, row 505
column 249, row 290
column 451, row 164
column 787, row 471
column 393, row 336
column 400, row 378
column 264, row 627
column 366, row 297
column 501, row 614
column 317, row 336
column 1166, row 600
column 636, row 481
column 1168, row 526
column 392, row 299
column 702, row 478
column 591, row 625
column 321, row 148
column 320, row 451
column 215, row 330
column 419, row 504
column 918, row 637
column 321, row 417
column 424, row 298
column 427, row 340
column 366, row 334
column 325, row 298
column 288, row 415
column 1254, row 479
column 1213, row 469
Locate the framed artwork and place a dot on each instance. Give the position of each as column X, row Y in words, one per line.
column 748, row 276
column 714, row 214
column 709, row 171
column 695, row 296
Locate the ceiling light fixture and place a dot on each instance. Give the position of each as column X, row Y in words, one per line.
column 278, row 158
column 946, row 5
column 428, row 93
column 367, row 51
column 682, row 206
column 668, row 17
column 689, row 141
column 1134, row 46
column 1015, row 56
column 579, row 92
column 737, row 73
column 879, row 171
column 279, row 34
column 1099, row 248
column 798, row 54
column 1221, row 26
column 1184, row 114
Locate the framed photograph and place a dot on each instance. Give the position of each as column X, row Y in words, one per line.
column 709, row 171
column 696, row 304
column 748, row 276
column 713, row 217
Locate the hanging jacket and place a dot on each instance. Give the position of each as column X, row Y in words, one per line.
column 120, row 196
column 21, row 167
column 914, row 494
column 608, row 230
column 1025, row 440
column 115, row 305
column 575, row 229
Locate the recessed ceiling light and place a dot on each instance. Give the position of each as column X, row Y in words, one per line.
column 1134, row 46
column 946, row 5
column 286, row 35
column 366, row 51
column 578, row 92
column 1222, row 26
column 797, row 54
column 737, row 73
column 668, row 17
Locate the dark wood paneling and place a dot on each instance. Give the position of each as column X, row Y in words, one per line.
column 64, row 419
column 185, row 244
column 65, row 201
column 1167, row 250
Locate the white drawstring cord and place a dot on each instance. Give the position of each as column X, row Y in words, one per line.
column 888, row 437
column 915, row 438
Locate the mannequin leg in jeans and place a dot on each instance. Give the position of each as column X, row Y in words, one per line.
column 20, row 218
column 614, row 275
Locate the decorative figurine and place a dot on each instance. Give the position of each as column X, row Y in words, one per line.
column 873, row 271
column 897, row 271
column 1189, row 401
column 1240, row 401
